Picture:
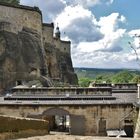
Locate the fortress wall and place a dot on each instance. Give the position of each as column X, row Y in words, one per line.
column 96, row 118
column 19, row 17
column 57, row 43
column 48, row 33
column 65, row 47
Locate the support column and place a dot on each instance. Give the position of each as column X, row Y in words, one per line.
column 138, row 92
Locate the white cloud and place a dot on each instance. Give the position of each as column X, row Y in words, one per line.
column 106, row 52
column 50, row 8
column 112, row 34
column 109, row 23
column 105, row 60
column 71, row 13
column 95, row 43
column 78, row 27
column 28, row 2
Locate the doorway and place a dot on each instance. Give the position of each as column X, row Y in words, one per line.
column 59, row 119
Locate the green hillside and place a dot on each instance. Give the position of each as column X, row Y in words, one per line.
column 87, row 75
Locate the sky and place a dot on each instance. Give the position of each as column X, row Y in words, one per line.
column 103, row 33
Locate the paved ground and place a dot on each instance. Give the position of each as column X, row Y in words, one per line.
column 61, row 136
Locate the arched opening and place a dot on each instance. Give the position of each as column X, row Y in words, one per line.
column 59, row 119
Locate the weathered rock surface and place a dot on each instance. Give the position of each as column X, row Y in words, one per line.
column 21, row 57
column 60, row 65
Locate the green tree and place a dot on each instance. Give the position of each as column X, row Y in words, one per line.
column 84, row 82
column 136, row 79
column 103, row 79
column 15, row 2
column 122, row 77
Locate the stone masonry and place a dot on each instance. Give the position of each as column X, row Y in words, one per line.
column 29, row 51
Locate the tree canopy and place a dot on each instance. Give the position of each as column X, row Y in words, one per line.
column 15, row 2
column 96, row 76
column 122, row 77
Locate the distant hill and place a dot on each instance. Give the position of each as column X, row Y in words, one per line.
column 94, row 72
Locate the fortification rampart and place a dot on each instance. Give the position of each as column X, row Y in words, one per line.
column 91, row 120
column 19, row 17
column 48, row 37
column 48, row 32
column 24, row 24
column 65, row 46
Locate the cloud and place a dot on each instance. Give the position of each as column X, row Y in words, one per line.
column 109, row 23
column 108, row 26
column 105, row 60
column 50, row 8
column 95, row 43
column 28, row 2
column 107, row 51
column 88, row 3
column 78, row 27
column 84, row 3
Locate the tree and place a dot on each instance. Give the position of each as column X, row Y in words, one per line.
column 136, row 79
column 122, row 77
column 15, row 2
column 84, row 82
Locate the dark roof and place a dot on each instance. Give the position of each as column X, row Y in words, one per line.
column 63, row 41
column 48, row 24
column 115, row 99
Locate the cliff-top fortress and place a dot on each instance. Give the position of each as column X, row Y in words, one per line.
column 29, row 51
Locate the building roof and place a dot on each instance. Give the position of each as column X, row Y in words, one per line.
column 117, row 99
column 48, row 24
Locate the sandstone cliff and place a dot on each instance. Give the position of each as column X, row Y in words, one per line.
column 21, row 57
column 60, row 67
column 26, row 56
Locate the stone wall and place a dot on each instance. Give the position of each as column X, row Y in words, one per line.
column 23, row 49
column 112, row 116
column 47, row 30
column 14, row 124
column 13, row 127
column 21, row 16
column 58, row 58
column 63, row 46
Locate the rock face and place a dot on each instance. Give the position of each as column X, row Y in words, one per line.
column 29, row 51
column 21, row 57
column 58, row 57
column 60, row 67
